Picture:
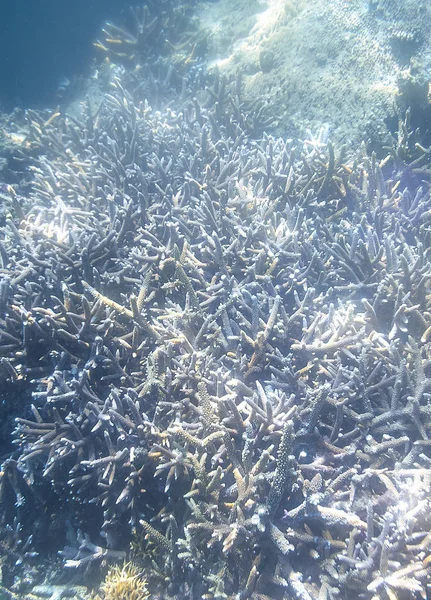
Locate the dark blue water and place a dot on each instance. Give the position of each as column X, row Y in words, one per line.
column 45, row 42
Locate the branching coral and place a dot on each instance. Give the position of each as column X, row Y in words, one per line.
column 226, row 341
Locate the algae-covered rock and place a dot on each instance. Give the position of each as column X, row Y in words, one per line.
column 324, row 62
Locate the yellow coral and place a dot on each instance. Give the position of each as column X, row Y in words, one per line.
column 124, row 583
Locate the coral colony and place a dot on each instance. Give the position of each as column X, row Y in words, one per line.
column 224, row 342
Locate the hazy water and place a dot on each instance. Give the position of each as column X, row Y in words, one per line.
column 44, row 41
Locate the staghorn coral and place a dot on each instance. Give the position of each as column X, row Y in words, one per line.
column 225, row 338
column 157, row 29
column 161, row 45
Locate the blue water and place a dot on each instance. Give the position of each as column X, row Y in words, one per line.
column 45, row 41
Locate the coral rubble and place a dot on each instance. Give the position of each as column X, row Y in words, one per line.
column 226, row 341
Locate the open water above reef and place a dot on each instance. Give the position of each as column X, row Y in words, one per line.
column 43, row 45
column 215, row 339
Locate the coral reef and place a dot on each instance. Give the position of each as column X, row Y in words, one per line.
column 161, row 42
column 226, row 341
column 156, row 30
